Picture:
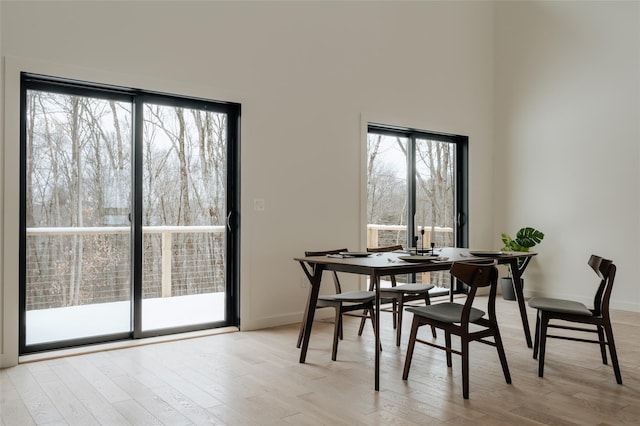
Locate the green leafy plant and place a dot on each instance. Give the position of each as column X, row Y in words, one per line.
column 525, row 239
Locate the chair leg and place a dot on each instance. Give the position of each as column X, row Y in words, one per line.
column 362, row 321
column 447, row 343
column 544, row 321
column 603, row 343
column 399, row 329
column 373, row 324
column 412, row 343
column 427, row 301
column 536, row 340
column 465, row 367
column 336, row 333
column 612, row 350
column 395, row 312
column 502, row 355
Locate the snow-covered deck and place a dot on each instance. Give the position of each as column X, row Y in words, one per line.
column 50, row 325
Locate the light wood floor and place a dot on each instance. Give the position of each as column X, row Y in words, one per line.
column 254, row 378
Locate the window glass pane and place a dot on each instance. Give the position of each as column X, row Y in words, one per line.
column 435, row 199
column 387, row 190
column 78, row 174
column 435, row 191
column 184, row 217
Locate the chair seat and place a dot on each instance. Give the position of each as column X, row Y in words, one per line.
column 341, row 302
column 350, row 296
column 446, row 312
column 560, row 305
column 400, row 294
column 408, row 288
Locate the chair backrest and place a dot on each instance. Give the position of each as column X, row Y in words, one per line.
column 324, row 252
column 336, row 281
column 384, row 249
column 606, row 271
column 476, row 274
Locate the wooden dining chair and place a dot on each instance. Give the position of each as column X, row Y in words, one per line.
column 341, row 302
column 399, row 295
column 462, row 320
column 569, row 311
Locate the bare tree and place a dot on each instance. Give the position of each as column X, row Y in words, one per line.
column 387, row 191
column 79, row 175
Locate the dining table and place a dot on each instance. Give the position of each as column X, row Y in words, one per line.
column 377, row 265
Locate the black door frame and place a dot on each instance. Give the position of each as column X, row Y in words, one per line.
column 137, row 98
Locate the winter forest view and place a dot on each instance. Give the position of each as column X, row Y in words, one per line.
column 79, row 175
column 388, row 194
column 387, row 185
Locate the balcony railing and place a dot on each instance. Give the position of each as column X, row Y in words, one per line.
column 388, row 235
column 71, row 266
column 68, row 266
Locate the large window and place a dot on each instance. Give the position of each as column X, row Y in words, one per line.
column 128, row 202
column 416, row 191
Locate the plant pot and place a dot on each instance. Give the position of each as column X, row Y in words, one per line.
column 508, row 291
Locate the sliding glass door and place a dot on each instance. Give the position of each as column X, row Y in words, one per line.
column 128, row 202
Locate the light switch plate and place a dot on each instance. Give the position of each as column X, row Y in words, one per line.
column 258, row 204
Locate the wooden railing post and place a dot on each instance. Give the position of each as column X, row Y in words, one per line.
column 166, row 263
column 372, row 237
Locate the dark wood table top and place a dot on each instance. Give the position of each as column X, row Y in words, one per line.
column 389, row 263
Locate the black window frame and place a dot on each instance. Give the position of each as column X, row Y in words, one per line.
column 461, row 178
column 461, row 171
column 137, row 98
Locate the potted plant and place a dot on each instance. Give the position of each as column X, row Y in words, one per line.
column 525, row 239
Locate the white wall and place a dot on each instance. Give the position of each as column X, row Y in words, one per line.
column 308, row 75
column 568, row 140
column 564, row 118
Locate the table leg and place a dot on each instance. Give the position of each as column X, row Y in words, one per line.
column 315, row 279
column 304, row 320
column 517, row 275
column 453, row 287
column 376, row 283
